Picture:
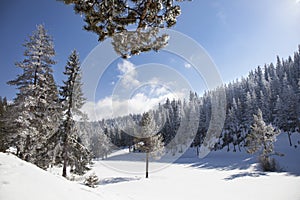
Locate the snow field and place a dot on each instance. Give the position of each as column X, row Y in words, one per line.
column 220, row 175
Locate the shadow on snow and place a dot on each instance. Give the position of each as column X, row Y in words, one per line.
column 114, row 180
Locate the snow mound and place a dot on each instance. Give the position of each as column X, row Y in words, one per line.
column 22, row 180
column 290, row 161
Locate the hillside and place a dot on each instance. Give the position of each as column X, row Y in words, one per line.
column 22, row 180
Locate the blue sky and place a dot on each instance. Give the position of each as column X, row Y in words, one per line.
column 238, row 35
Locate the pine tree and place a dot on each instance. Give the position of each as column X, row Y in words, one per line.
column 261, row 139
column 113, row 19
column 3, row 135
column 216, row 123
column 201, row 128
column 274, row 89
column 92, row 180
column 287, row 118
column 298, row 100
column 232, row 126
column 100, row 144
column 74, row 153
column 36, row 113
column 188, row 125
column 149, row 142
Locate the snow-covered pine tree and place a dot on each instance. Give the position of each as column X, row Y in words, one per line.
column 169, row 130
column 133, row 25
column 261, row 139
column 92, row 180
column 51, row 119
column 233, row 125
column 74, row 153
column 3, row 135
column 216, row 123
column 36, row 113
column 100, row 144
column 187, row 127
column 148, row 141
column 201, row 128
column 274, row 89
column 298, row 100
column 287, row 107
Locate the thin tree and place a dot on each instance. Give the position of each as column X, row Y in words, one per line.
column 149, row 142
column 72, row 100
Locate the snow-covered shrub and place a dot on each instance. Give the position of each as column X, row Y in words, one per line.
column 92, row 180
column 268, row 164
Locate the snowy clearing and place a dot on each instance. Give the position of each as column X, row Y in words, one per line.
column 220, row 175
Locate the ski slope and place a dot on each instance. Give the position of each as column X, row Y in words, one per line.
column 220, row 175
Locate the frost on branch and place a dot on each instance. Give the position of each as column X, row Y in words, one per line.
column 114, row 18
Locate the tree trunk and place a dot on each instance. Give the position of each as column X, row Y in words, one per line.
column 147, row 164
column 68, row 127
column 65, row 158
column 289, row 135
column 65, row 150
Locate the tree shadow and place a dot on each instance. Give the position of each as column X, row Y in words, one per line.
column 245, row 174
column 224, row 164
column 221, row 160
column 229, row 161
column 115, row 180
column 139, row 157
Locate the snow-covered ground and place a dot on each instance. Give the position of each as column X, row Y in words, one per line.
column 220, row 175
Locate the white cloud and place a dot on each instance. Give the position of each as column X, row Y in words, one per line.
column 110, row 107
column 187, row 65
column 101, row 109
column 159, row 91
column 138, row 90
column 128, row 75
